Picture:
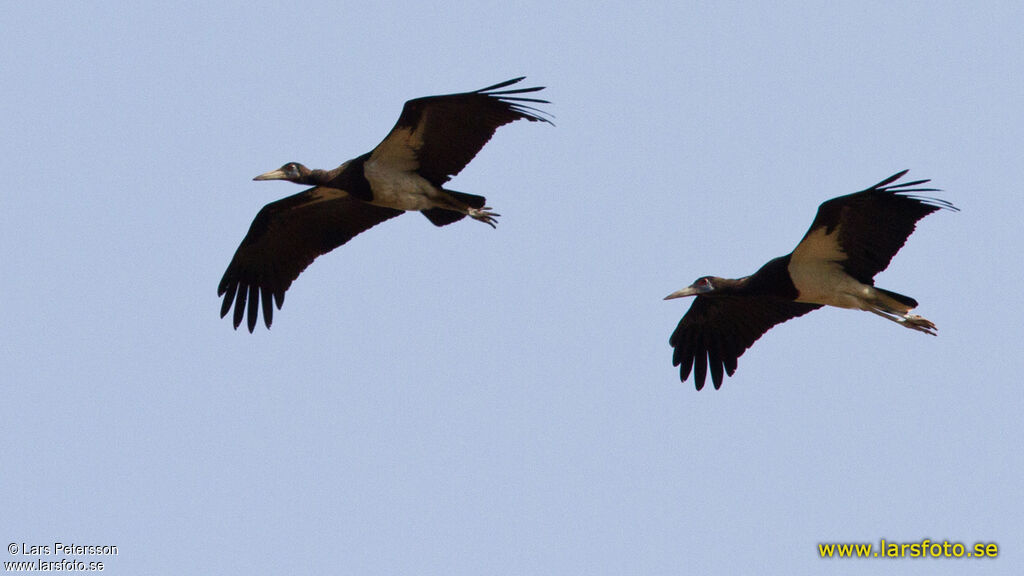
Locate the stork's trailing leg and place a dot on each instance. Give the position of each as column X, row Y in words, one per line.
column 908, row 320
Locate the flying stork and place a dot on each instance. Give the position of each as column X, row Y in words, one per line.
column 852, row 238
column 434, row 139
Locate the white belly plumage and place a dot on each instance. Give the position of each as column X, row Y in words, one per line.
column 400, row 189
column 827, row 283
column 820, row 278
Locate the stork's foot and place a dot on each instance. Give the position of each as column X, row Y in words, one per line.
column 919, row 323
column 484, row 215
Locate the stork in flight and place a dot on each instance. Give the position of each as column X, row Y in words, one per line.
column 853, row 238
column 434, row 139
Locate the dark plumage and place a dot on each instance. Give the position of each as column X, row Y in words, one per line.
column 852, row 238
column 434, row 139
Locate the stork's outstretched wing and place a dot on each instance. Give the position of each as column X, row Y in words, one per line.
column 715, row 332
column 439, row 135
column 284, row 238
column 872, row 225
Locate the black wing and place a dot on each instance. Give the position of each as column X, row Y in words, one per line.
column 439, row 135
column 715, row 332
column 873, row 224
column 284, row 238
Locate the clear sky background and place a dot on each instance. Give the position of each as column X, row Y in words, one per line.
column 464, row 400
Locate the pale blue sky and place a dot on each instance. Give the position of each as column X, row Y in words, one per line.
column 475, row 401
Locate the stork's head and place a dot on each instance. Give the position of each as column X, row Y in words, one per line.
column 703, row 286
column 292, row 172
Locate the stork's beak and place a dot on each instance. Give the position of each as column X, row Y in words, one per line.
column 688, row 291
column 278, row 174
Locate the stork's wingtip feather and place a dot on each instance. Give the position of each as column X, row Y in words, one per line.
column 503, row 84
column 889, row 180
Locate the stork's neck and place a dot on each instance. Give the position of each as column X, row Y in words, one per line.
column 316, row 177
column 729, row 286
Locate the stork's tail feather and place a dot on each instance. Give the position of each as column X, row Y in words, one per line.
column 906, row 301
column 471, row 200
column 442, row 217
